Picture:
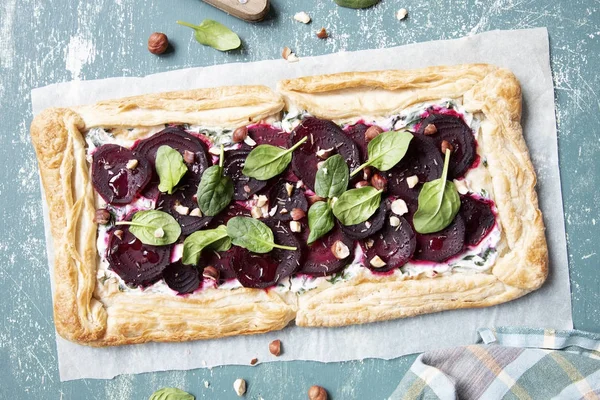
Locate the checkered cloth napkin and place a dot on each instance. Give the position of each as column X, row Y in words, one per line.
column 510, row 363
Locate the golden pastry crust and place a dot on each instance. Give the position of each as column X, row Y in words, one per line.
column 98, row 314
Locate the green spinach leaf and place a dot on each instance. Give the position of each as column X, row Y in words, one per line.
column 153, row 227
column 266, row 161
column 212, row 33
column 332, row 178
column 438, row 203
column 253, row 235
column 386, row 150
column 215, row 190
column 193, row 245
column 170, row 393
column 356, row 3
column 170, row 168
column 357, row 205
column 320, row 220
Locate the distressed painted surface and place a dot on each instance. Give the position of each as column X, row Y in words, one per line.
column 43, row 42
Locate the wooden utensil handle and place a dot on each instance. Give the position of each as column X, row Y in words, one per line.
column 251, row 10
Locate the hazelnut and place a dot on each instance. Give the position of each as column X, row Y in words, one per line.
column 295, row 226
column 399, row 207
column 289, row 188
column 189, row 156
column 215, row 151
column 322, row 34
column 240, row 134
column 340, row 250
column 314, row 198
column 317, row 393
column 446, row 145
column 324, row 154
column 401, row 14
column 247, row 189
column 253, row 361
column 377, row 262
column 394, row 221
column 430, row 129
column 239, row 386
column 262, row 200
column 256, row 212
column 361, row 184
column 285, row 53
column 372, row 132
column 196, row 212
column 211, row 272
column 367, row 173
column 158, row 43
column 275, row 347
column 297, row 214
column 132, row 164
column 249, row 141
column 379, row 182
column 119, row 234
column 412, row 181
column 182, row 210
column 302, row 17
column 102, row 216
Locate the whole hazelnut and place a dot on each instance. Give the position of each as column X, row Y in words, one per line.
column 158, row 43
column 446, row 145
column 379, row 182
column 317, row 393
column 361, row 184
column 372, row 132
column 430, row 129
column 211, row 272
column 240, row 134
column 275, row 347
column 312, row 199
column 102, row 216
column 297, row 214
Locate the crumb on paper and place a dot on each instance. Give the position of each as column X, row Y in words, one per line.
column 288, row 55
column 206, row 384
column 401, row 14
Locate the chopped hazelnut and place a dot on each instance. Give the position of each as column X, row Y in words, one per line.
column 322, row 34
column 286, row 52
column 159, row 233
column 256, row 212
column 273, row 211
column 361, row 184
column 292, row 58
column 367, row 224
column 372, row 132
column 196, row 212
column 249, row 141
column 211, row 272
column 215, row 151
column 299, row 184
column 295, row 226
column 275, row 347
column 324, row 154
column 369, row 243
column 158, row 43
column 401, row 14
column 262, row 200
column 367, row 173
column 302, row 17
column 297, row 214
column 394, row 221
column 240, row 134
column 412, row 181
column 446, row 145
column 377, row 262
column 340, row 250
column 283, row 211
column 132, row 164
column 189, row 156
column 312, row 199
column 102, row 216
column 183, row 210
column 289, row 188
column 119, row 233
column 399, row 207
column 239, row 386
column 247, row 189
column 379, row 182
column 430, row 129
column 253, row 361
column 461, row 186
column 317, row 393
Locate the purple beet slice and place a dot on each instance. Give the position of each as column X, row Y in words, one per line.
column 479, row 219
column 278, row 196
column 394, row 245
column 367, row 228
column 111, row 178
column 182, row 278
column 319, row 260
column 136, row 263
column 244, row 187
column 454, row 130
column 233, row 210
column 265, row 270
column 357, row 133
column 321, row 134
column 184, row 197
column 220, row 260
column 423, row 159
column 266, row 134
column 442, row 245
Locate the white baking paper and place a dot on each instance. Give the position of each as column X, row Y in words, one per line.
column 525, row 52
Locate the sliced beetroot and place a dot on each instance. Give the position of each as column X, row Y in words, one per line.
column 357, row 133
column 422, row 159
column 321, row 134
column 479, row 219
column 394, row 245
column 136, row 263
column 278, row 196
column 265, row 270
column 182, row 278
column 319, row 260
column 186, row 198
column 221, row 260
column 367, row 228
column 111, row 178
column 454, row 130
column 235, row 209
column 266, row 134
column 442, row 245
column 243, row 187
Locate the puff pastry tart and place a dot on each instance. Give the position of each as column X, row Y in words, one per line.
column 342, row 199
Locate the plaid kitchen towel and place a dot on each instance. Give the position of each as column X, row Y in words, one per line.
column 510, row 363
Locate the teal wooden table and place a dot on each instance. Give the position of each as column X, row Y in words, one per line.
column 43, row 42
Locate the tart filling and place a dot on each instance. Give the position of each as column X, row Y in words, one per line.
column 126, row 178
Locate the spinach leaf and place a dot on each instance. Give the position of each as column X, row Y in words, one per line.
column 438, row 203
column 320, row 220
column 153, row 227
column 170, row 393
column 356, row 3
column 215, row 190
column 193, row 245
column 357, row 205
column 266, row 161
column 332, row 178
column 170, row 168
column 386, row 150
column 253, row 235
column 213, row 34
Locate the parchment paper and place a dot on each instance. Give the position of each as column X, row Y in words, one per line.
column 525, row 52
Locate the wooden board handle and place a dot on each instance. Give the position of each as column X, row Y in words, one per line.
column 251, row 10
